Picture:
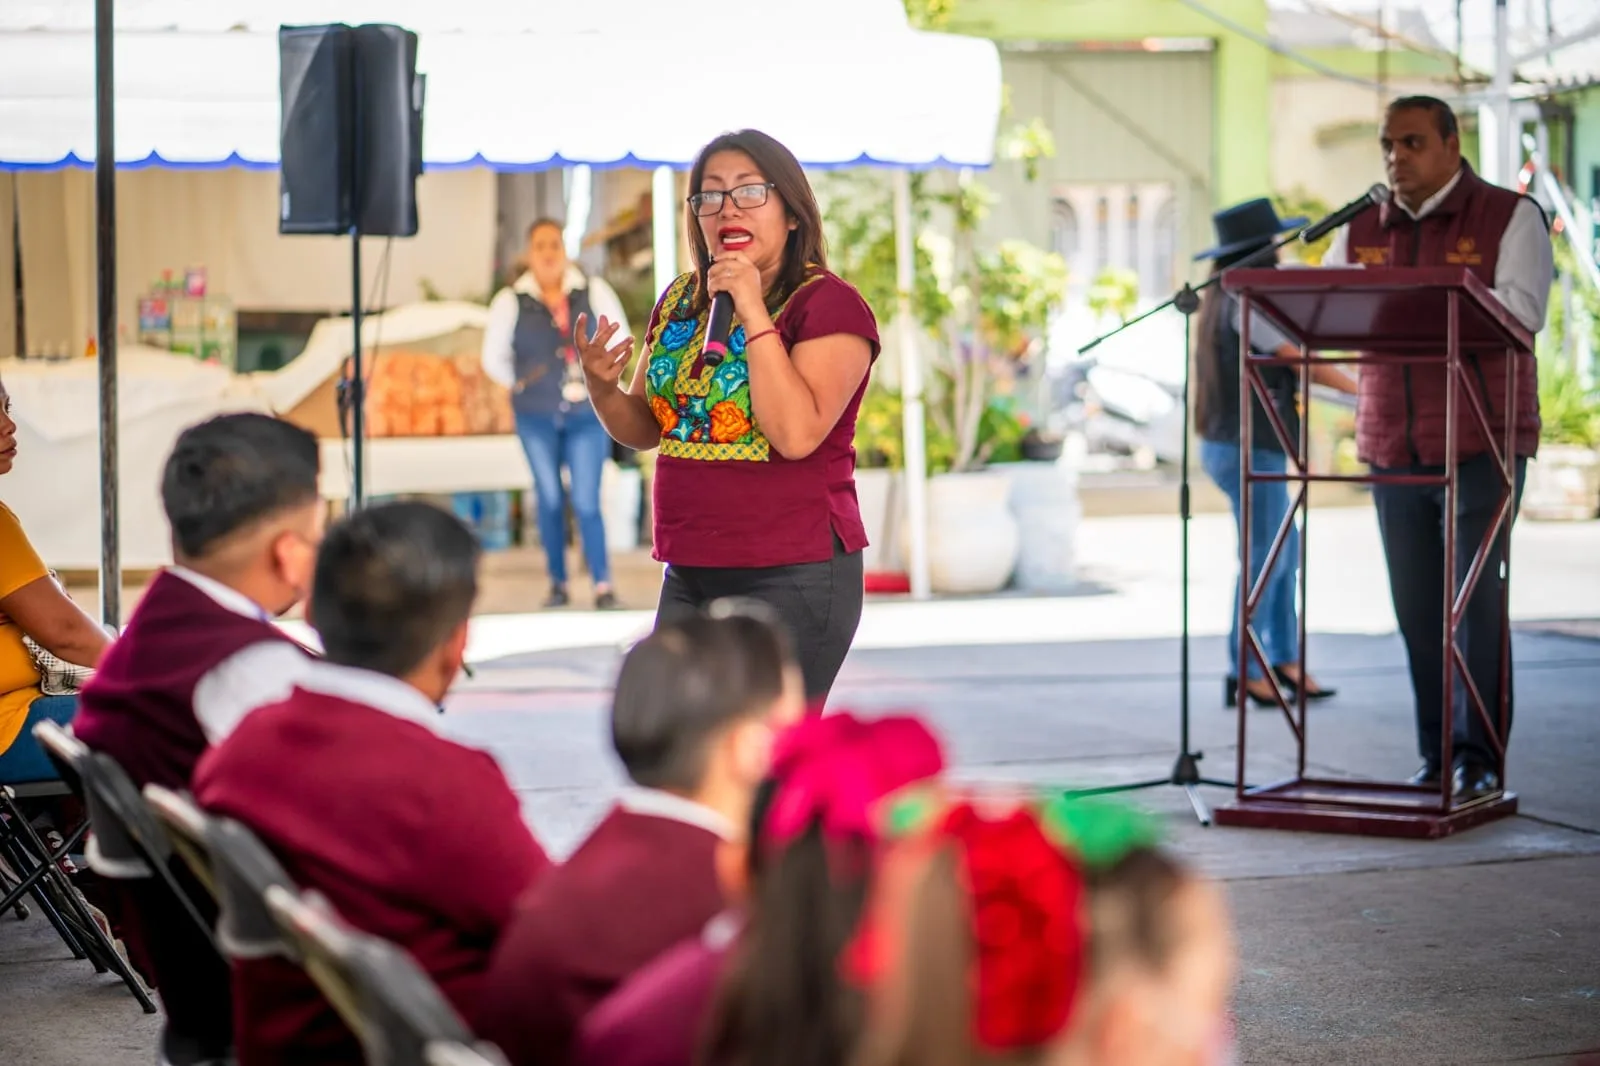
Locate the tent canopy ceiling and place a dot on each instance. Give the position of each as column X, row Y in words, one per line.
column 518, row 88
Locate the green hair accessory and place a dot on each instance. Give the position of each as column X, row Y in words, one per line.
column 1100, row 831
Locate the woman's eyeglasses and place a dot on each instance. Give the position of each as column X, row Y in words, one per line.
column 745, row 197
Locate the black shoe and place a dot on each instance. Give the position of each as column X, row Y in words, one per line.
column 1292, row 687
column 606, row 601
column 1427, row 776
column 1472, row 781
column 1230, row 695
column 557, row 598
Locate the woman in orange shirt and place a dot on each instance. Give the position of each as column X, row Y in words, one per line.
column 32, row 605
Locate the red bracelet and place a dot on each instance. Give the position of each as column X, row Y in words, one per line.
column 748, row 341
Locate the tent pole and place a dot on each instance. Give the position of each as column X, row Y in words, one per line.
column 663, row 228
column 105, row 191
column 913, row 429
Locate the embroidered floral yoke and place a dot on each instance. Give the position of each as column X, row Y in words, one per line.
column 723, row 494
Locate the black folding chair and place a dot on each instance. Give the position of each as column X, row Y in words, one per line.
column 393, row 1007
column 234, row 865
column 38, row 864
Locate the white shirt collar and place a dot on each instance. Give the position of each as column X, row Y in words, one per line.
column 573, row 281
column 655, row 803
column 370, row 689
column 1432, row 203
column 222, row 595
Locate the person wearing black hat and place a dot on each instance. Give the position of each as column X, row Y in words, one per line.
column 1242, row 230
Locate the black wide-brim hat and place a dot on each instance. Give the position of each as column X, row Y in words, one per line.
column 1246, row 227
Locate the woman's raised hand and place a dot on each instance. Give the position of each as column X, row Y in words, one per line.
column 601, row 365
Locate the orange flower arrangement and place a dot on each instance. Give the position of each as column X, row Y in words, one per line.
column 729, row 423
column 666, row 416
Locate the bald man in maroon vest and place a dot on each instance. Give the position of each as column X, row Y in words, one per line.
column 1443, row 214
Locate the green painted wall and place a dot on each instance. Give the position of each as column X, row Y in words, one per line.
column 1242, row 90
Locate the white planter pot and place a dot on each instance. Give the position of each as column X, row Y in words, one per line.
column 1044, row 501
column 883, row 513
column 972, row 535
column 619, row 506
column 1563, row 484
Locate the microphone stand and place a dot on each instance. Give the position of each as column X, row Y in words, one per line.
column 1186, row 770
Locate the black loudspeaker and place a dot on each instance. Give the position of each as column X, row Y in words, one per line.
column 351, row 137
column 316, row 139
column 388, row 130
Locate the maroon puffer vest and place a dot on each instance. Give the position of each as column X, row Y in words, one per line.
column 1400, row 410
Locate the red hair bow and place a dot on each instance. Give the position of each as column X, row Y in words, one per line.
column 1028, row 926
column 838, row 768
column 1029, row 929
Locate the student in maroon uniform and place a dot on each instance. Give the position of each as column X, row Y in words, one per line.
column 240, row 492
column 755, row 491
column 696, row 707
column 802, row 874
column 410, row 836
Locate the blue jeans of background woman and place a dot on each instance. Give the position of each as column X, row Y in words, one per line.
column 578, row 442
column 24, row 760
column 1276, row 621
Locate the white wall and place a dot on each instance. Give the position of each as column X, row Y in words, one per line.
column 1325, row 135
column 227, row 221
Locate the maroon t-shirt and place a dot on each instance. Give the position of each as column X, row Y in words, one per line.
column 723, row 496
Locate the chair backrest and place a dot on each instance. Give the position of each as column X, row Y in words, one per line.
column 243, row 870
column 64, row 751
column 443, row 1053
column 127, row 840
column 185, row 826
column 396, row 1011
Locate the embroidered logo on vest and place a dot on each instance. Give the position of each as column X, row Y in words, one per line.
column 1466, row 253
column 1370, row 255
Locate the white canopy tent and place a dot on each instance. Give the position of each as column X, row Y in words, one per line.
column 545, row 84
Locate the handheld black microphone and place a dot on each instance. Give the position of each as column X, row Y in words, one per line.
column 715, row 349
column 1374, row 196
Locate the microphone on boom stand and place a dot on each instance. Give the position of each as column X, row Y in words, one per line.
column 1378, row 194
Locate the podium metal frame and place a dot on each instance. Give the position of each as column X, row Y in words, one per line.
column 1390, row 317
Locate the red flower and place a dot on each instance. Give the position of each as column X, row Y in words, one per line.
column 1028, row 927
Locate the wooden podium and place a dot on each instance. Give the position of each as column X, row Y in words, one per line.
column 1427, row 315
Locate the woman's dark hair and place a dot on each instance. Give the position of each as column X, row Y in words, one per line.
column 782, row 1001
column 1206, row 382
column 806, row 247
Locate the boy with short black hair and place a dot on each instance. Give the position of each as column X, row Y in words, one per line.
column 240, row 493
column 410, row 836
column 696, row 707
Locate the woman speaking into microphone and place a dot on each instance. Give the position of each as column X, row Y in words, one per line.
column 755, row 485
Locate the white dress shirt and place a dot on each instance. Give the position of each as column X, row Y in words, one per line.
column 657, row 803
column 498, row 362
column 1523, row 271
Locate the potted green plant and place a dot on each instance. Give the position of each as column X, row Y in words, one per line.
column 1563, row 481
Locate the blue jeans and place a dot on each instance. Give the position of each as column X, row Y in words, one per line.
column 580, row 443
column 1276, row 623
column 24, row 760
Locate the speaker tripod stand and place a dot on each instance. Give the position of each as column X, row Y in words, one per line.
column 1186, row 767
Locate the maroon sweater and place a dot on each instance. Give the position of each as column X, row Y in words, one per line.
column 410, row 836
column 659, row 1015
column 139, row 706
column 139, row 709
column 638, row 885
column 1400, row 413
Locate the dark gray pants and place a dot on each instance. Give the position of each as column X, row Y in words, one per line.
column 1411, row 521
column 819, row 602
